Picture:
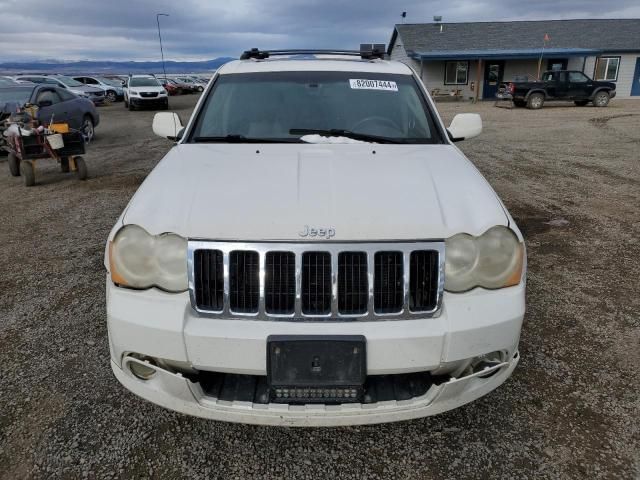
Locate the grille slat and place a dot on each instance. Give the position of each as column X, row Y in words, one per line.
column 244, row 281
column 316, row 283
column 388, row 289
column 399, row 280
column 423, row 280
column 353, row 285
column 280, row 283
column 209, row 279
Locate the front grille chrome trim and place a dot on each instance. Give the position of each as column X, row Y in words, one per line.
column 334, row 248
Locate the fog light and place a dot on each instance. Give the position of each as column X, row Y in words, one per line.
column 142, row 371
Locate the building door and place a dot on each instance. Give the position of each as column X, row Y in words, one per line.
column 493, row 73
column 555, row 64
column 635, row 86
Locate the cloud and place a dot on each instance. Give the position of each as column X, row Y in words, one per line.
column 205, row 29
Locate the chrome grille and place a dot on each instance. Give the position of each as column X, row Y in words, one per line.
column 316, row 283
column 353, row 283
column 209, row 277
column 312, row 281
column 388, row 282
column 422, row 275
column 244, row 281
column 280, row 283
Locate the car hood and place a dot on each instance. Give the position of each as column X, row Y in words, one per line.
column 157, row 88
column 270, row 192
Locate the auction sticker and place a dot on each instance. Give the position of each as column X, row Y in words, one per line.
column 363, row 84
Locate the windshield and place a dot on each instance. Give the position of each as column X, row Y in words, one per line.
column 69, row 82
column 109, row 81
column 143, row 82
column 286, row 106
column 18, row 95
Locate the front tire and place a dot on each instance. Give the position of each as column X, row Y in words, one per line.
column 88, row 129
column 81, row 168
column 535, row 101
column 111, row 96
column 14, row 165
column 601, row 99
column 28, row 173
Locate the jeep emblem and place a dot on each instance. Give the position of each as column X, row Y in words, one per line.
column 317, row 232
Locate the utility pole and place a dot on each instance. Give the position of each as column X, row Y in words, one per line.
column 158, row 15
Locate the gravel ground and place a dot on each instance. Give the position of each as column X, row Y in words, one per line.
column 571, row 178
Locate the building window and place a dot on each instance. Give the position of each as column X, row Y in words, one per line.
column 607, row 68
column 456, row 73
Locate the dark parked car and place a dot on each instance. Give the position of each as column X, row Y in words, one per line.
column 54, row 103
column 567, row 85
column 96, row 95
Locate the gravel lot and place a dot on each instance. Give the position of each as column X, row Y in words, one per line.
column 570, row 177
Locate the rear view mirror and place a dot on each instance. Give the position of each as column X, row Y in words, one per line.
column 464, row 126
column 167, row 125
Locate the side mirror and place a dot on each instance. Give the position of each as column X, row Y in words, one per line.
column 167, row 125
column 44, row 103
column 464, row 126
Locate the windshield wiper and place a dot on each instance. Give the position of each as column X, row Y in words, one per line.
column 336, row 132
column 236, row 138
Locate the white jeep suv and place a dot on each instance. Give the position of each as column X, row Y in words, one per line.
column 314, row 251
column 144, row 91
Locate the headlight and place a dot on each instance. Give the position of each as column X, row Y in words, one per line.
column 163, row 92
column 140, row 260
column 493, row 260
column 133, row 93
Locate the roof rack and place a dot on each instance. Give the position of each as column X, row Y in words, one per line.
column 368, row 51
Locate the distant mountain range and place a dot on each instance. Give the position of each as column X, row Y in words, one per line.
column 110, row 67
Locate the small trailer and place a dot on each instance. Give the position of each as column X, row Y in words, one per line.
column 55, row 142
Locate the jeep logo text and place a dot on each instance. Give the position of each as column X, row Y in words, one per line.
column 317, row 232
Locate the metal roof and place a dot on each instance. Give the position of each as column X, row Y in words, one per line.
column 610, row 35
column 503, row 54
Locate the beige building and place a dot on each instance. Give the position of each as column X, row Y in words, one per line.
column 470, row 60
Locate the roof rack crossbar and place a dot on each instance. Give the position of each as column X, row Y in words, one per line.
column 367, row 51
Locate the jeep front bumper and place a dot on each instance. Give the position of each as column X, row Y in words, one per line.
column 159, row 325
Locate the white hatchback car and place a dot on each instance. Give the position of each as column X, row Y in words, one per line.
column 144, row 91
column 315, row 251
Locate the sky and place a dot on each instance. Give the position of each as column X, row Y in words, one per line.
column 205, row 29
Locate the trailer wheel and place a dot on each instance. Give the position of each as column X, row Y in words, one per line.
column 64, row 164
column 81, row 168
column 27, row 171
column 535, row 101
column 14, row 164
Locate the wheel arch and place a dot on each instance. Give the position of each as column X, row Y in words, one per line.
column 537, row 90
column 598, row 90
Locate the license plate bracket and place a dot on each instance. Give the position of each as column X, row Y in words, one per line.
column 316, row 368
